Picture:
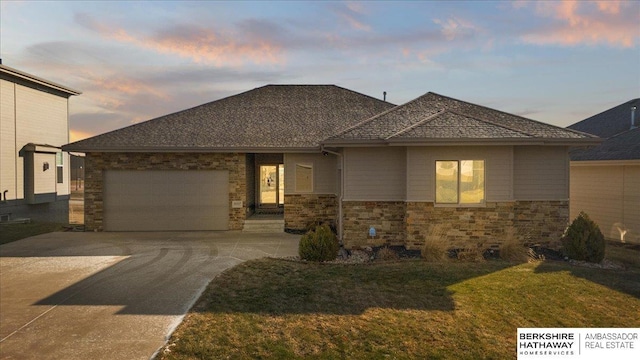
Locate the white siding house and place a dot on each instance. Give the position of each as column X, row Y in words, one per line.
column 34, row 124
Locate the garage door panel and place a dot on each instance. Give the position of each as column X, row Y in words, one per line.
column 166, row 200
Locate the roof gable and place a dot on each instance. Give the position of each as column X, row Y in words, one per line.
column 610, row 122
column 434, row 116
column 269, row 117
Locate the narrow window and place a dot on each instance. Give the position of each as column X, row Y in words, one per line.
column 304, row 178
column 460, row 182
column 60, row 167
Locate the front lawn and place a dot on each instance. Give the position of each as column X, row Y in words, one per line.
column 409, row 309
column 13, row 232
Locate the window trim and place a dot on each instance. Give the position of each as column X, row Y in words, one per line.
column 459, row 203
column 295, row 177
column 60, row 168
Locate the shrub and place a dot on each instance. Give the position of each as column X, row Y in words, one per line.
column 320, row 244
column 583, row 240
column 472, row 254
column 512, row 249
column 436, row 246
column 386, row 254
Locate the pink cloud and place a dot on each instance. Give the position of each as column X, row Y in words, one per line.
column 352, row 13
column 77, row 135
column 202, row 45
column 579, row 22
column 454, row 28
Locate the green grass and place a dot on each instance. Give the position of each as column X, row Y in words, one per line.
column 13, row 232
column 276, row 309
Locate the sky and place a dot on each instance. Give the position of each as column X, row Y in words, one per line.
column 553, row 61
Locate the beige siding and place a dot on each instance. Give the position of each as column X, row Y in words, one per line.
column 374, row 174
column 324, row 172
column 42, row 118
column 498, row 170
column 541, row 173
column 631, row 204
column 44, row 181
column 8, row 152
column 610, row 195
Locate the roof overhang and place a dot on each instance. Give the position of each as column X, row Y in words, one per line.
column 586, row 142
column 264, row 150
column 41, row 148
column 32, row 79
column 582, row 163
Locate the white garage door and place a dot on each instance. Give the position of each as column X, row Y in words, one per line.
column 153, row 200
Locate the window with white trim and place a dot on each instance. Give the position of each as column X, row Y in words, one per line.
column 304, row 178
column 60, row 167
column 460, row 182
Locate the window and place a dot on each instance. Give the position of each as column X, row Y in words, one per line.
column 60, row 167
column 460, row 182
column 304, row 178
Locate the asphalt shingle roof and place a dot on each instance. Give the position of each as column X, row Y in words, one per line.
column 610, row 122
column 434, row 116
column 272, row 116
column 622, row 143
column 624, row 146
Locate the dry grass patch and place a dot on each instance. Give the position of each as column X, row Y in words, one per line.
column 386, row 254
column 512, row 249
column 274, row 309
column 436, row 245
column 13, row 232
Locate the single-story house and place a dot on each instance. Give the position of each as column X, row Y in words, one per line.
column 34, row 124
column 313, row 153
column 605, row 180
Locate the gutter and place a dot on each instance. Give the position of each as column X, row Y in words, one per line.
column 341, row 198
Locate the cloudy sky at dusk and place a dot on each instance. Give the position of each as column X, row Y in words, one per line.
column 557, row 62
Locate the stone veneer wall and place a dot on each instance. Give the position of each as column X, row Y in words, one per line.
column 387, row 217
column 96, row 163
column 302, row 209
column 531, row 222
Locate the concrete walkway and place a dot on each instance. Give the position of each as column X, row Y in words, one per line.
column 112, row 295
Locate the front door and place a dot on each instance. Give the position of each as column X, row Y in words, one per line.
column 271, row 186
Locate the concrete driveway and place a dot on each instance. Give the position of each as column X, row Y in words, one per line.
column 112, row 295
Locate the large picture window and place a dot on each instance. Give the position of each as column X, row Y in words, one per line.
column 304, row 178
column 459, row 181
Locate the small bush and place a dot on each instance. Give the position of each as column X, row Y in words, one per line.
column 436, row 246
column 513, row 250
column 583, row 240
column 470, row 254
column 386, row 254
column 320, row 244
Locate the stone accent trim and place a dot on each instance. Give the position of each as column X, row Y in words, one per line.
column 387, row 217
column 531, row 222
column 302, row 209
column 96, row 163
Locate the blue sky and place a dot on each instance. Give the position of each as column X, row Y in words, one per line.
column 552, row 61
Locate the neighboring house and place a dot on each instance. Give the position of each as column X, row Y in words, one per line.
column 325, row 153
column 605, row 180
column 34, row 124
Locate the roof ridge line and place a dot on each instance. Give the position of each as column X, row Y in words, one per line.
column 418, row 123
column 492, row 123
column 374, row 117
column 511, row 114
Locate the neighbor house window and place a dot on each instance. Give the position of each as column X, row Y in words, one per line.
column 60, row 167
column 460, row 182
column 304, row 178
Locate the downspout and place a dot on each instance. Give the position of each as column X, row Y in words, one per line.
column 339, row 155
